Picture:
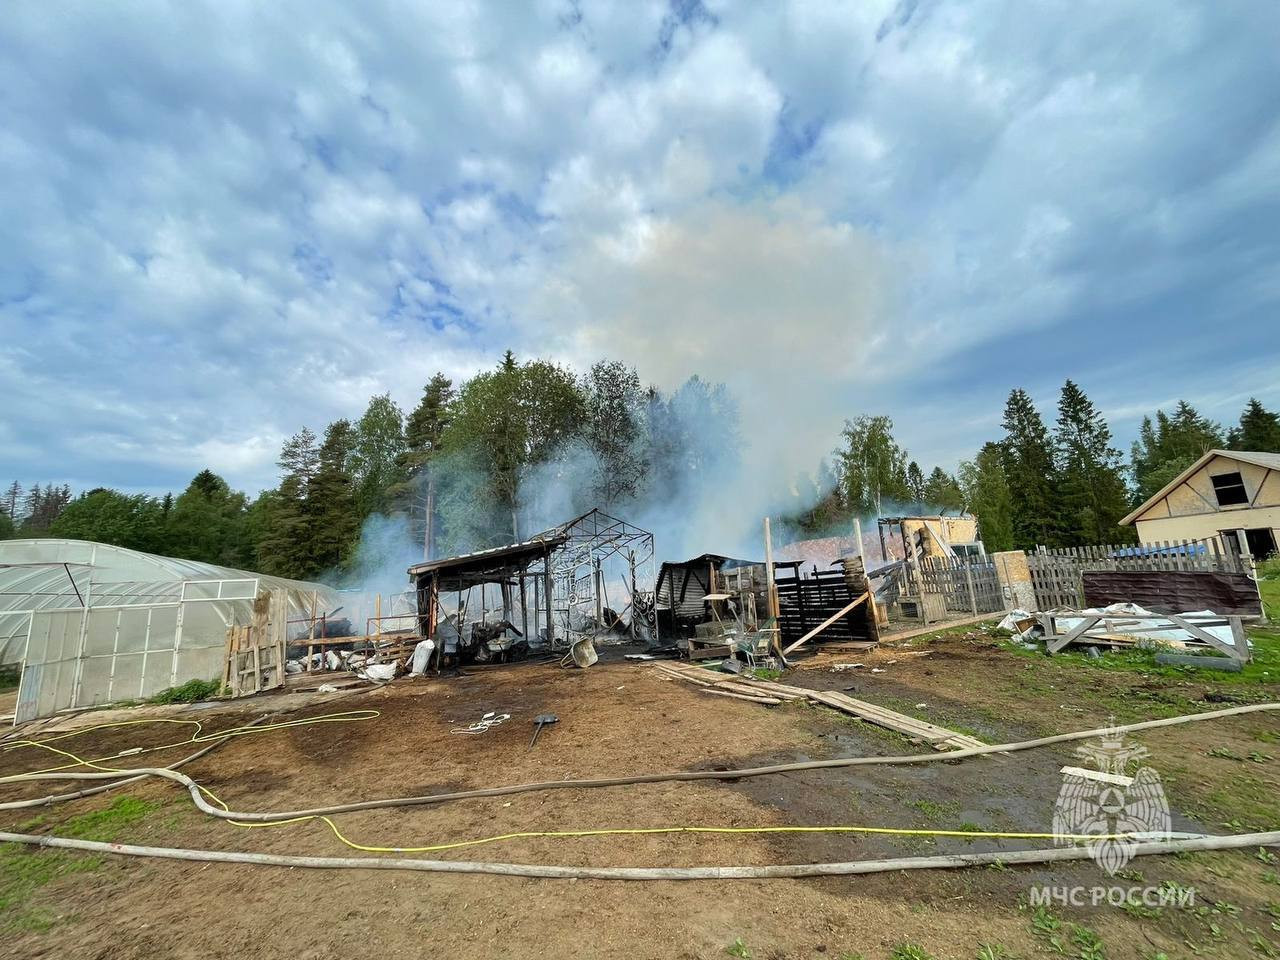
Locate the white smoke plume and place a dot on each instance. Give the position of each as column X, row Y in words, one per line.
column 771, row 298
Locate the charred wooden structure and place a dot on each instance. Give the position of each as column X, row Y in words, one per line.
column 551, row 589
column 806, row 599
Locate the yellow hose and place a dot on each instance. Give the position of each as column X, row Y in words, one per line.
column 354, row 715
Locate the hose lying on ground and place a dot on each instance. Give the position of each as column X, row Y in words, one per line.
column 684, row 775
column 90, row 791
column 547, row 871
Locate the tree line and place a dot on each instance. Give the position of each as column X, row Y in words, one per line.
column 519, row 447
column 1060, row 487
column 506, row 453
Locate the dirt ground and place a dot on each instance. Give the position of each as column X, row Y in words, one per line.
column 620, row 718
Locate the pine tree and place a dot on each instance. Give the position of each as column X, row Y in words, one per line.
column 1092, row 496
column 986, row 491
column 1259, row 430
column 1028, row 467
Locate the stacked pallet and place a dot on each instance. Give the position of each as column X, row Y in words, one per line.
column 769, row 693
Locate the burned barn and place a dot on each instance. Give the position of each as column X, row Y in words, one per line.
column 586, row 581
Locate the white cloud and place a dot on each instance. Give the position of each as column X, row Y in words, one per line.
column 223, row 221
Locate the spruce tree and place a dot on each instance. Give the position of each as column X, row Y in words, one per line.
column 1092, row 496
column 1259, row 430
column 915, row 484
column 330, row 505
column 1029, row 469
column 285, row 547
column 423, row 433
column 12, row 497
column 1168, row 446
column 941, row 491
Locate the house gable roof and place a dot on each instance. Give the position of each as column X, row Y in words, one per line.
column 1270, row 461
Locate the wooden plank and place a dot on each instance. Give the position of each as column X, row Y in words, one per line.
column 1055, row 643
column 845, row 611
column 1240, row 652
column 767, row 701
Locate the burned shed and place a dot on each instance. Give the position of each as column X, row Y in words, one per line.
column 711, row 589
column 589, row 578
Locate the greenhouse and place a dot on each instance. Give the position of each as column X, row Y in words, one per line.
column 88, row 623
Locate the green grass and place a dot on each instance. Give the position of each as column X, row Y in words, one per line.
column 189, row 692
column 9, row 678
column 1263, row 668
column 1269, row 587
column 25, row 870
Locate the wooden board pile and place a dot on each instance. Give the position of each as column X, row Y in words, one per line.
column 770, row 694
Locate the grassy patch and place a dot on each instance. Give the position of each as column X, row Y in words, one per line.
column 1263, row 668
column 25, row 870
column 189, row 692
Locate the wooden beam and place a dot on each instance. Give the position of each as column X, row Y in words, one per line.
column 825, row 623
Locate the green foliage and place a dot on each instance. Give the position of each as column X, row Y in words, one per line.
column 614, row 431
column 377, row 455
column 873, row 468
column 108, row 516
column 986, row 495
column 509, row 420
column 1259, row 430
column 8, row 530
column 1091, row 492
column 207, row 523
column 330, row 508
column 189, row 692
column 915, row 485
column 738, row 949
column 1168, row 446
column 910, row 951
column 942, row 490
column 1029, row 470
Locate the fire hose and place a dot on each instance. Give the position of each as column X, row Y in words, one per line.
column 632, row 873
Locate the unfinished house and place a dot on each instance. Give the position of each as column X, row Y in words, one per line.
column 716, row 606
column 586, row 581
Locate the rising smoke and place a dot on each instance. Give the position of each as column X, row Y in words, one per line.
column 770, row 298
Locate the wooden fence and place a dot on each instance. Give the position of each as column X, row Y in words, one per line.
column 1056, row 575
column 967, row 585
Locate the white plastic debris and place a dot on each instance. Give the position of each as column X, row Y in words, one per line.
column 847, row 666
column 332, row 661
column 292, row 666
column 878, row 670
column 326, row 688
column 421, row 657
column 377, row 672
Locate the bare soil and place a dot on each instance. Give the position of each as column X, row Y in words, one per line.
column 622, row 718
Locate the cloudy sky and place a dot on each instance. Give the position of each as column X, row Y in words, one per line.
column 222, row 221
